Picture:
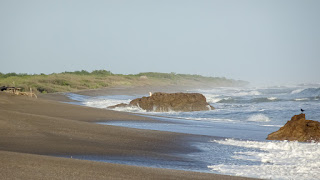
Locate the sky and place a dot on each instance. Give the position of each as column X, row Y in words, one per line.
column 261, row 41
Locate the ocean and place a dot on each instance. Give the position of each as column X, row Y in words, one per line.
column 238, row 127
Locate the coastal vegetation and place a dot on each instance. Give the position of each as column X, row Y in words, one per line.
column 80, row 80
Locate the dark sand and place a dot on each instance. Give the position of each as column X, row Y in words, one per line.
column 33, row 131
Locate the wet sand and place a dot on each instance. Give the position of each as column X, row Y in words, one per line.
column 33, row 131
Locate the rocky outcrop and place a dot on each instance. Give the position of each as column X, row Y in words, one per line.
column 163, row 102
column 298, row 129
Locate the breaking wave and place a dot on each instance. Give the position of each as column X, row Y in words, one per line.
column 212, row 98
column 247, row 93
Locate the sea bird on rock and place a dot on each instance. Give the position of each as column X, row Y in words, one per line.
column 302, row 110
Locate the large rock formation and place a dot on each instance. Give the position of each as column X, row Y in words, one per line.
column 298, row 129
column 163, row 102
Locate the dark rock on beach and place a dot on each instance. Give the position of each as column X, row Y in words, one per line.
column 298, row 129
column 163, row 102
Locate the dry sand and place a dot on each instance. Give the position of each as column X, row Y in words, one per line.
column 33, row 131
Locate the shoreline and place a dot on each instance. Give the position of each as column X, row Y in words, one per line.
column 32, row 128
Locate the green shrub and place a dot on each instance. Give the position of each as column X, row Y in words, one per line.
column 82, row 72
column 45, row 90
column 61, row 82
column 101, row 72
column 159, row 75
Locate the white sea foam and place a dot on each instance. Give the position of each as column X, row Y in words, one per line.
column 259, row 118
column 103, row 103
column 301, row 99
column 279, row 160
column 130, row 109
column 247, row 93
column 272, row 98
column 270, row 125
column 212, row 98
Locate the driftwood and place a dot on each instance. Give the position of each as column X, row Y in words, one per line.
column 30, row 94
column 17, row 91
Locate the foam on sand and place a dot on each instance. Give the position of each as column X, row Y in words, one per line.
column 279, row 160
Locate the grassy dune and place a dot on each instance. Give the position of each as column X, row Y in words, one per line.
column 80, row 80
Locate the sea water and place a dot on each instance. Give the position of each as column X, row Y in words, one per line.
column 243, row 117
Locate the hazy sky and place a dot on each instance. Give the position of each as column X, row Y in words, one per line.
column 269, row 41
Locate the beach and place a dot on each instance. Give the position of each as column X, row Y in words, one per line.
column 35, row 132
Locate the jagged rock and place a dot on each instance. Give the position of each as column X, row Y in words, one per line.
column 163, row 102
column 298, row 129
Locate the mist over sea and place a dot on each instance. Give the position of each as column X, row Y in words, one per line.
column 243, row 118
